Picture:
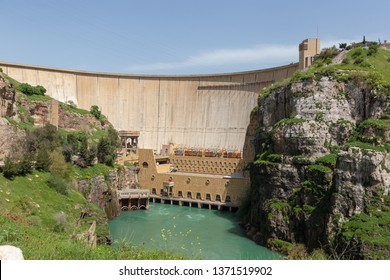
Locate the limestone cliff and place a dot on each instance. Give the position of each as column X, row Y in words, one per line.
column 7, row 98
column 8, row 133
column 322, row 158
column 102, row 190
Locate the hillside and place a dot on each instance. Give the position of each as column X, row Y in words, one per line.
column 321, row 176
column 52, row 190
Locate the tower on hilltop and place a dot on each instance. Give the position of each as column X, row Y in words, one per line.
column 307, row 50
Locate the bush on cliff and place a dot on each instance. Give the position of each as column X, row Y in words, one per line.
column 28, row 89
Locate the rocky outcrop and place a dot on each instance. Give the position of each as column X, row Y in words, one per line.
column 8, row 252
column 307, row 182
column 7, row 98
column 102, row 190
column 8, row 133
column 74, row 122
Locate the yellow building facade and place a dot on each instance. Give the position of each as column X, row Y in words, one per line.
column 219, row 188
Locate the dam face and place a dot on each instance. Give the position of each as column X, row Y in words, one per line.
column 205, row 111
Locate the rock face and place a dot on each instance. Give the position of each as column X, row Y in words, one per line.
column 8, row 252
column 102, row 190
column 8, row 133
column 307, row 181
column 7, row 98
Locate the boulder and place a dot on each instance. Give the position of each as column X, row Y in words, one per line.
column 8, row 252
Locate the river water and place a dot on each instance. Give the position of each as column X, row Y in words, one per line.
column 190, row 232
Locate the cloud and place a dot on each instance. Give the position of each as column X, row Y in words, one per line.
column 260, row 56
column 264, row 54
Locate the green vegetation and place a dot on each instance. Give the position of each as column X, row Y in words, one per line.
column 360, row 64
column 289, row 121
column 365, row 66
column 31, row 90
column 278, row 204
column 41, row 221
column 327, row 160
column 365, row 146
column 95, row 111
column 22, row 125
column 73, row 109
column 13, row 82
column 372, row 230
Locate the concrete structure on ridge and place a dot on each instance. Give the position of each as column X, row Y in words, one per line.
column 308, row 49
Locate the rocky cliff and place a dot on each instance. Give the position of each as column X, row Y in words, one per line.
column 322, row 166
column 102, row 190
column 8, row 133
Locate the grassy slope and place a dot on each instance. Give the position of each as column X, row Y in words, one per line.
column 27, row 218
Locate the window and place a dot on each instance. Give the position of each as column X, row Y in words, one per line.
column 208, row 196
column 180, row 194
column 228, row 199
column 145, row 164
column 154, row 191
column 217, row 197
column 189, row 195
column 198, row 196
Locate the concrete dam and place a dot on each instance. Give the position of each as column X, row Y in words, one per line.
column 201, row 111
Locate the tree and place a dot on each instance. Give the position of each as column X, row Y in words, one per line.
column 343, row 46
column 43, row 160
column 28, row 89
column 106, row 149
column 58, row 165
column 24, row 165
column 10, row 169
column 70, row 147
column 95, row 112
column 46, row 137
column 103, row 149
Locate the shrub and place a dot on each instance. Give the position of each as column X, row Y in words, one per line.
column 60, row 222
column 358, row 60
column 358, row 52
column 328, row 53
column 10, row 169
column 46, row 137
column 372, row 49
column 43, row 160
column 328, row 160
column 346, row 61
column 343, row 46
column 58, row 183
column 58, row 164
column 95, row 112
column 28, row 89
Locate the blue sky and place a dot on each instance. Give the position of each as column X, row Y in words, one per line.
column 179, row 36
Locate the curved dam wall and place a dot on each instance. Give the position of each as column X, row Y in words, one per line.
column 210, row 111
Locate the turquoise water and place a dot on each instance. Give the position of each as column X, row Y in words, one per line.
column 191, row 232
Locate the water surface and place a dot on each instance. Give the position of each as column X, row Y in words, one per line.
column 190, row 232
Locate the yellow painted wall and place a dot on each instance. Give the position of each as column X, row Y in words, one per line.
column 150, row 178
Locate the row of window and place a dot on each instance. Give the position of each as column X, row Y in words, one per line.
column 205, row 163
column 198, row 195
column 205, row 169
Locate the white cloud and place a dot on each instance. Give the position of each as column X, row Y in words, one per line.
column 265, row 54
column 261, row 56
